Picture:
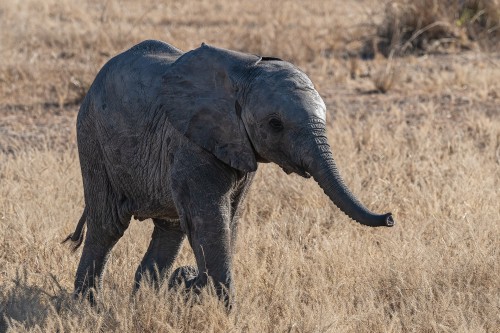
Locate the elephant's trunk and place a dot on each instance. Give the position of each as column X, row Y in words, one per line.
column 323, row 168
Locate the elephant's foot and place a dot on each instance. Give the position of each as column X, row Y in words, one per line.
column 185, row 275
column 86, row 292
column 189, row 278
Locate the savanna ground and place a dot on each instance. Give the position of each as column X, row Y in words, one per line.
column 428, row 149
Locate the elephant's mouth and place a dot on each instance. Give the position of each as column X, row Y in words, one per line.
column 300, row 171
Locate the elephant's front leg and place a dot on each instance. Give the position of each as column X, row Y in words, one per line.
column 203, row 200
column 210, row 239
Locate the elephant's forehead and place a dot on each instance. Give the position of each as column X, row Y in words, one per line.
column 303, row 100
column 285, row 89
column 313, row 104
column 308, row 104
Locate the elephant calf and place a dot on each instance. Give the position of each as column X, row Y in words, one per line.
column 176, row 137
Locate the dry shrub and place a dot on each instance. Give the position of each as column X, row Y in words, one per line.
column 427, row 26
column 482, row 21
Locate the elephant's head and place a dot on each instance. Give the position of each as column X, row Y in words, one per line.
column 247, row 109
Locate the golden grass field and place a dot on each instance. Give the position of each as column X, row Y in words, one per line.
column 428, row 150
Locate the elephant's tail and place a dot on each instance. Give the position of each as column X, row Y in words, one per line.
column 76, row 237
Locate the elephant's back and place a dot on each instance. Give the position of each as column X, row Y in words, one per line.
column 156, row 47
column 141, row 66
column 127, row 86
column 119, row 112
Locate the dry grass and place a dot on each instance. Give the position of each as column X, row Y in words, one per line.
column 426, row 26
column 428, row 149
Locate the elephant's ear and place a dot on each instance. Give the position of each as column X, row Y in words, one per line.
column 200, row 97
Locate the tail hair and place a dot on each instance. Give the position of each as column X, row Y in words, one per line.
column 76, row 237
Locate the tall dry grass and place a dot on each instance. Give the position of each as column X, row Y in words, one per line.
column 301, row 265
column 428, row 149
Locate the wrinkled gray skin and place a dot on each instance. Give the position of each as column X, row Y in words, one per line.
column 176, row 137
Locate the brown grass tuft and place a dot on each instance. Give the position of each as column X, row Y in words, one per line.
column 385, row 77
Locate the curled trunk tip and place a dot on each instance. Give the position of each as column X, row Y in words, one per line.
column 389, row 220
column 324, row 171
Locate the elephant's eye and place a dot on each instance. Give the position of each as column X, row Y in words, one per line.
column 276, row 124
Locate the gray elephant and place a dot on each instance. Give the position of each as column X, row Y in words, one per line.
column 176, row 137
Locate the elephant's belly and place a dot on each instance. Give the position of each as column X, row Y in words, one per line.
column 156, row 210
column 149, row 197
column 140, row 169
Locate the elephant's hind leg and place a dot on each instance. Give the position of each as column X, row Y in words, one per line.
column 165, row 243
column 95, row 253
column 103, row 232
column 107, row 218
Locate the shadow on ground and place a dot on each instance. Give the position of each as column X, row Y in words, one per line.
column 27, row 305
